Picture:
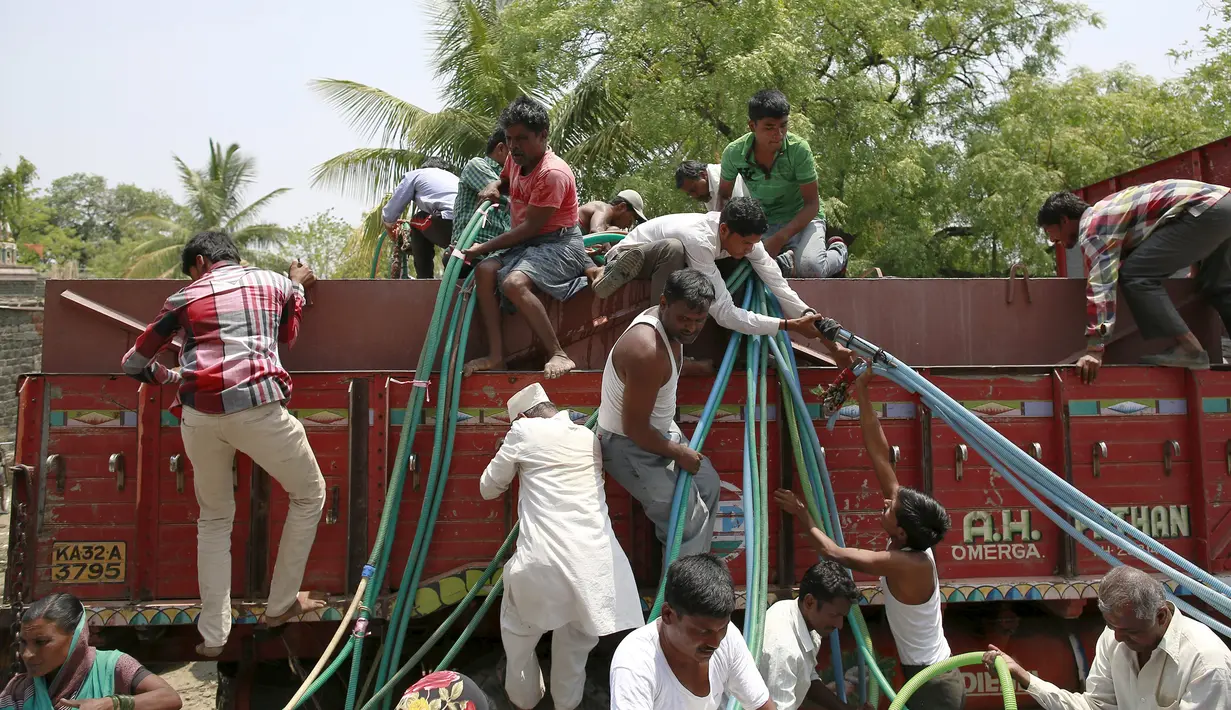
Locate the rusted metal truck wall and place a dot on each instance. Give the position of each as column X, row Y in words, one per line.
column 374, row 326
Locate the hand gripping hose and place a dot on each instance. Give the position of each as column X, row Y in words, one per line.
column 975, row 658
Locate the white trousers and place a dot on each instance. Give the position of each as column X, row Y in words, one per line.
column 523, row 681
column 276, row 441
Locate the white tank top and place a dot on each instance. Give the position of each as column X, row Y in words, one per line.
column 917, row 628
column 611, row 409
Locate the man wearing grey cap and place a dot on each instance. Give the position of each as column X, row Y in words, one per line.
column 624, row 212
column 569, row 575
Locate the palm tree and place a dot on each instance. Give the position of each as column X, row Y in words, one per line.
column 215, row 202
column 590, row 129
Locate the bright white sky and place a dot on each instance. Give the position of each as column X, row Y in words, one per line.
column 116, row 88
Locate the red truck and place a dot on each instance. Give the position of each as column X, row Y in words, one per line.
column 103, row 503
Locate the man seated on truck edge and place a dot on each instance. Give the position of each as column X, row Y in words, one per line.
column 692, row 655
column 1138, row 238
column 779, row 172
column 1150, row 655
column 666, row 244
column 700, row 182
column 916, row 523
column 478, row 173
column 794, row 632
column 643, row 448
column 233, row 391
column 432, row 188
column 625, row 211
column 569, row 574
column 544, row 248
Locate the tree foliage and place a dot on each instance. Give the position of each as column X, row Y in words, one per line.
column 324, row 243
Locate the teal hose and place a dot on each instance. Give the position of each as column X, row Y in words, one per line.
column 966, row 659
column 380, row 243
column 328, row 673
column 474, row 624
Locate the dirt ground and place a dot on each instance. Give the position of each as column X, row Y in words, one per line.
column 197, row 683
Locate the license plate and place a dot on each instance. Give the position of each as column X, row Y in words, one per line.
column 89, row 562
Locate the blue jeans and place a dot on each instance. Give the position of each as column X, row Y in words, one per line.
column 813, row 260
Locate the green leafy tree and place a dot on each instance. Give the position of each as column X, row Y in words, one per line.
column 15, row 187
column 214, row 200
column 323, row 242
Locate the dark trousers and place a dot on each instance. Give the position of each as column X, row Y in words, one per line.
column 662, row 258
column 423, row 245
column 1204, row 240
column 944, row 692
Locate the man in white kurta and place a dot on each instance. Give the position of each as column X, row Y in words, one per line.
column 1150, row 656
column 569, row 574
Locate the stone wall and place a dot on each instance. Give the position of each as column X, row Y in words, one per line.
column 21, row 346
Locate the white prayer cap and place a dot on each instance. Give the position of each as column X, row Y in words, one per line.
column 525, row 399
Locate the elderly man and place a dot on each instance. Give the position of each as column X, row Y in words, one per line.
column 1137, row 238
column 1150, row 656
column 693, row 655
column 569, row 574
column 794, row 632
column 233, row 391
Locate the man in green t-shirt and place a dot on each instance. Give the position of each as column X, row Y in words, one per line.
column 779, row 171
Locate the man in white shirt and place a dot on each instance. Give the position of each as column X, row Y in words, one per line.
column 569, row 574
column 700, row 181
column 433, row 190
column 663, row 245
column 795, row 629
column 1150, row 656
column 693, row 655
column 916, row 523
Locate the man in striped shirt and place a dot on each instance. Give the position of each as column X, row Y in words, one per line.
column 233, row 390
column 1138, row 237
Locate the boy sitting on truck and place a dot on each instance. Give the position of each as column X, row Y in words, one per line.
column 916, row 523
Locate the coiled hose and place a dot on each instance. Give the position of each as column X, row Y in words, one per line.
column 974, row 658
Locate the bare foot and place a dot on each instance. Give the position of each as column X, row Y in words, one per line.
column 209, row 651
column 480, row 364
column 302, row 605
column 558, row 365
column 594, row 274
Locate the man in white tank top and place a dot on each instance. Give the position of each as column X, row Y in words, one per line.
column 916, row 523
column 643, row 448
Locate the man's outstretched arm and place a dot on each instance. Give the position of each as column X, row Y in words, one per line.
column 880, row 563
column 874, row 441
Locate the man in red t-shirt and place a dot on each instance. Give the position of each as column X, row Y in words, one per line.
column 544, row 248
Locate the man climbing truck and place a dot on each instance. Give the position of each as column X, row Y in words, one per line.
column 1136, row 238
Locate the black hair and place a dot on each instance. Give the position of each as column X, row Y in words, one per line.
column 768, row 103
column 690, row 286
column 826, row 581
column 744, row 216
column 214, row 246
column 922, row 518
column 434, row 162
column 527, row 112
column 63, row 610
column 1061, row 204
column 700, row 585
column 689, row 170
column 542, row 409
column 617, row 201
column 494, row 141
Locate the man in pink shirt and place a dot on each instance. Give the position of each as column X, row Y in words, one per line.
column 544, row 248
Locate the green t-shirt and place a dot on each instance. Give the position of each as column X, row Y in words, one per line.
column 778, row 190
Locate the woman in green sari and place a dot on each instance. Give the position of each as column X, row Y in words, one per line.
column 64, row 671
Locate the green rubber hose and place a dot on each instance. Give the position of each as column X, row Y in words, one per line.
column 973, row 658
column 324, row 677
column 497, row 588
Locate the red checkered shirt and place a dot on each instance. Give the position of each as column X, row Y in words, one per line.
column 233, row 318
column 1120, row 222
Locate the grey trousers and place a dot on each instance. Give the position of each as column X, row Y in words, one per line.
column 1204, row 240
column 662, row 258
column 813, row 260
column 646, row 477
column 944, row 692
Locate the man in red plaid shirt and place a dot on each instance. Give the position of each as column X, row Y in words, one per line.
column 233, row 391
column 1138, row 237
